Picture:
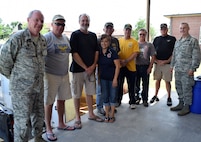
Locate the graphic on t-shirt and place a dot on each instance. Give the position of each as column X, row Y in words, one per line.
column 61, row 48
column 144, row 52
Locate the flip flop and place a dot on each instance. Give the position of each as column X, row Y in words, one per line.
column 112, row 119
column 78, row 124
column 67, row 128
column 51, row 136
column 97, row 119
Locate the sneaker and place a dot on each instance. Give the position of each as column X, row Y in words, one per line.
column 155, row 98
column 132, row 106
column 145, row 103
column 169, row 101
column 137, row 102
column 101, row 111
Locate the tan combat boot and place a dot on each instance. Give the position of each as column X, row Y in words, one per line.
column 178, row 107
column 185, row 110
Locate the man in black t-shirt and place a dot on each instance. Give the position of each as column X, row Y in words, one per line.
column 84, row 49
column 164, row 46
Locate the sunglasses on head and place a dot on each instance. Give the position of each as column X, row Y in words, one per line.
column 60, row 24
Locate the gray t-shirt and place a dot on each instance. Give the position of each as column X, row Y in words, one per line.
column 57, row 59
column 146, row 51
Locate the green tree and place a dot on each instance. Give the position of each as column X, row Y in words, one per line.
column 6, row 29
column 142, row 24
column 44, row 30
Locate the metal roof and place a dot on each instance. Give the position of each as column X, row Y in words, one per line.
column 183, row 15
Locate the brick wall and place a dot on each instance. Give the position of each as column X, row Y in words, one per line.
column 193, row 21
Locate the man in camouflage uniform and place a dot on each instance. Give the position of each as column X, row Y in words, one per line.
column 185, row 60
column 22, row 61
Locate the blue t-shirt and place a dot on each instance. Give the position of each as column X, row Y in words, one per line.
column 106, row 64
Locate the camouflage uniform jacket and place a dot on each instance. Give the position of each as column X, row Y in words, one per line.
column 22, row 61
column 186, row 55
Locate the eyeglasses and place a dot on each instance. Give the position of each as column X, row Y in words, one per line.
column 60, row 24
column 142, row 34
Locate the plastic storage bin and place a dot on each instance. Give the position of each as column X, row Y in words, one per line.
column 196, row 98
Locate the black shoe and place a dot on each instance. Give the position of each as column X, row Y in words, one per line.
column 169, row 101
column 145, row 103
column 118, row 104
column 155, row 98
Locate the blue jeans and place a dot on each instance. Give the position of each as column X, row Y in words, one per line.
column 108, row 92
column 99, row 98
column 142, row 75
column 131, row 81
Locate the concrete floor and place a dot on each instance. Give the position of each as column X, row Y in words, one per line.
column 153, row 124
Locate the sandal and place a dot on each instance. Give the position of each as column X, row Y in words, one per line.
column 78, row 125
column 51, row 136
column 67, row 128
column 106, row 119
column 112, row 119
column 96, row 118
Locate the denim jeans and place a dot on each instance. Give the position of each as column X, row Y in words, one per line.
column 142, row 75
column 108, row 92
column 131, row 81
column 99, row 98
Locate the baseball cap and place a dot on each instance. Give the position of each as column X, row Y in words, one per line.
column 58, row 17
column 163, row 25
column 128, row 26
column 109, row 24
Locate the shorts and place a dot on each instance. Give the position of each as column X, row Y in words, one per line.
column 80, row 80
column 162, row 72
column 56, row 86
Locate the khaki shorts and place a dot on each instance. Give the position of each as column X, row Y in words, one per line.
column 80, row 80
column 162, row 72
column 56, row 86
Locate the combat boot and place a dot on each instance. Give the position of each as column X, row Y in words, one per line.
column 39, row 139
column 185, row 110
column 178, row 107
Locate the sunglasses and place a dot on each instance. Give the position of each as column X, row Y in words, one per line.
column 60, row 24
column 142, row 34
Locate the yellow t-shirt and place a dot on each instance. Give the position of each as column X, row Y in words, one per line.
column 128, row 47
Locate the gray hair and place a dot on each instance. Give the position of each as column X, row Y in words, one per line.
column 32, row 12
column 185, row 23
column 84, row 14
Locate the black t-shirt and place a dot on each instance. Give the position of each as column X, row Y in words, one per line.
column 164, row 46
column 85, row 45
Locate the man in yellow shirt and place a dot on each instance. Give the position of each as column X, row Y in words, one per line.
column 129, row 49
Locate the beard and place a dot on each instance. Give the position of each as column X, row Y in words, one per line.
column 85, row 27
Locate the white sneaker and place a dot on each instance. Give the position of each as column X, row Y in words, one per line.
column 101, row 111
column 132, row 106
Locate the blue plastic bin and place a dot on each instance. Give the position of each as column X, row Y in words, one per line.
column 196, row 99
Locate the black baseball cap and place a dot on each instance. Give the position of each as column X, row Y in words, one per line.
column 163, row 25
column 109, row 24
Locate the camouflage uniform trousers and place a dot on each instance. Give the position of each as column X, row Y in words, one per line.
column 28, row 115
column 184, row 85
